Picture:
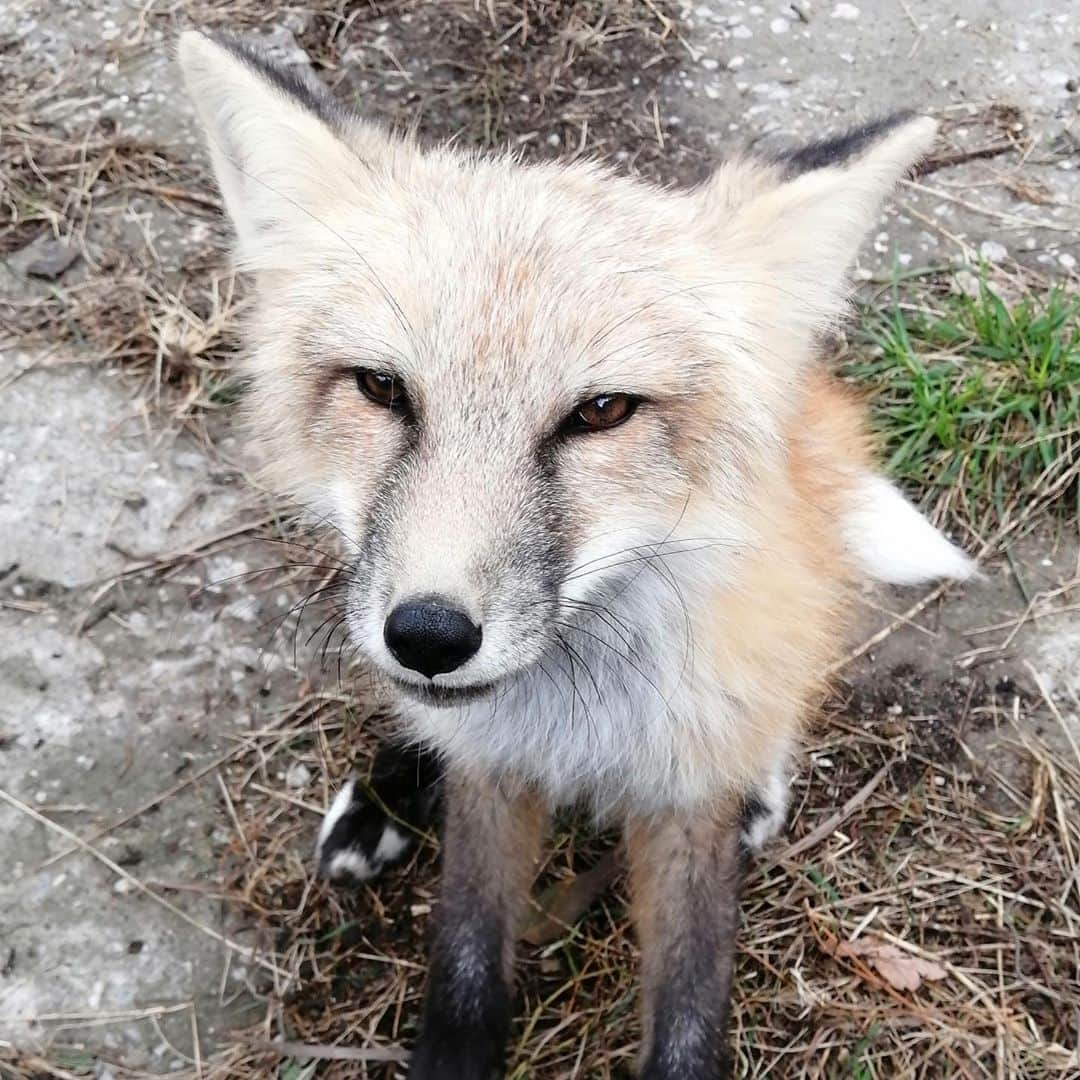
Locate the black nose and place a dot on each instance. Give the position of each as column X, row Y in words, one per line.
column 430, row 637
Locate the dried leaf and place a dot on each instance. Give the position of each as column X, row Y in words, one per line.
column 900, row 969
column 562, row 904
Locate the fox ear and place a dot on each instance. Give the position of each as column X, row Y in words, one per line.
column 284, row 152
column 797, row 222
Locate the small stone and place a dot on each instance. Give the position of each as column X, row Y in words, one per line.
column 128, row 856
column 51, row 258
column 779, row 26
column 298, row 776
column 992, row 251
column 736, row 62
column 1067, row 261
column 845, row 11
column 967, row 283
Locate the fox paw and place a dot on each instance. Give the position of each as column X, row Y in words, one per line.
column 358, row 840
column 765, row 810
column 369, row 829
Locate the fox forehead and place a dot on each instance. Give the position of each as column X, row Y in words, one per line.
column 525, row 272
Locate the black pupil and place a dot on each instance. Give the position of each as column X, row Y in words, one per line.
column 603, row 410
column 379, row 386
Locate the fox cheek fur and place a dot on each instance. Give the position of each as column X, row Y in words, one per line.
column 640, row 617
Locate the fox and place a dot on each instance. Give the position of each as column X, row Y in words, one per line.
column 604, row 509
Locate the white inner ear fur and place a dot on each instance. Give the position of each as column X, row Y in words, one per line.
column 279, row 167
column 891, row 541
column 797, row 240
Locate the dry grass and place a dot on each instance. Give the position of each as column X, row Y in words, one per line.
column 169, row 324
column 548, row 78
column 947, row 858
column 907, row 833
column 924, row 846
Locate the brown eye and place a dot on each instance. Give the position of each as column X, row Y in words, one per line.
column 602, row 412
column 381, row 388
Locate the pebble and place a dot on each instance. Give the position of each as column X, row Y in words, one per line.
column 967, row 283
column 298, row 776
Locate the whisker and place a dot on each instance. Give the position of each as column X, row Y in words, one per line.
column 664, row 699
column 704, row 543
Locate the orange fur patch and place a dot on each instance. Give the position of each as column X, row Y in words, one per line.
column 774, row 631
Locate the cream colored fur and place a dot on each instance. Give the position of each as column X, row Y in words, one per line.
column 721, row 529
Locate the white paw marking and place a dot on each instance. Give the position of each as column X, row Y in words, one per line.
column 349, row 864
column 774, row 797
column 392, row 845
column 342, row 802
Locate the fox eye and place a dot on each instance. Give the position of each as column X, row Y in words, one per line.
column 602, row 412
column 381, row 388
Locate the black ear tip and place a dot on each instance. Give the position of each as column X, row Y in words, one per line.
column 838, row 149
column 301, row 86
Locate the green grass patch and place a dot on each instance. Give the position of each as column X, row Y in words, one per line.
column 978, row 402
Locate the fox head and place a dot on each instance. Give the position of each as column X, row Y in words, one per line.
column 511, row 386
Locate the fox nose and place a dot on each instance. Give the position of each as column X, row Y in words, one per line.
column 431, row 637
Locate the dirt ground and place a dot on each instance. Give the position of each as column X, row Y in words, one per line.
column 154, row 698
